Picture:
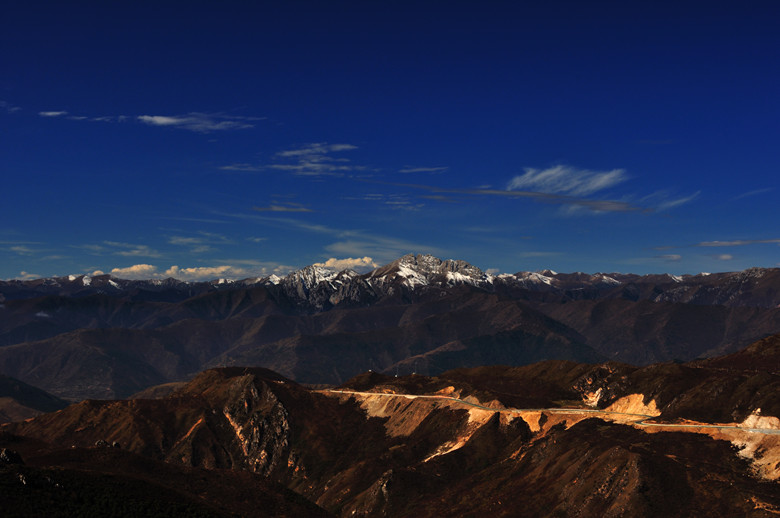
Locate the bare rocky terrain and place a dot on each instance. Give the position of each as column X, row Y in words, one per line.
column 556, row 438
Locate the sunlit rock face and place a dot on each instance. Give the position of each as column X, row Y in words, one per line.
column 534, row 438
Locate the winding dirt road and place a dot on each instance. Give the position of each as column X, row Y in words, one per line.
column 641, row 419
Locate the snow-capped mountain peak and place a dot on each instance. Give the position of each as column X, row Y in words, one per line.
column 423, row 269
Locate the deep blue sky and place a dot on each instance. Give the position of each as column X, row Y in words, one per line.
column 234, row 139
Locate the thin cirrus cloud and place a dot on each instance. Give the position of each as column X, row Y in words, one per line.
column 197, row 122
column 590, row 204
column 309, row 160
column 8, row 107
column 738, row 242
column 130, row 250
column 200, row 122
column 315, row 160
column 755, row 192
column 52, row 113
column 283, row 208
column 567, row 186
column 671, row 203
column 567, row 181
column 432, row 170
column 316, row 149
column 200, row 238
column 69, row 116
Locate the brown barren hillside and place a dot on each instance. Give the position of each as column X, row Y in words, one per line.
column 554, row 438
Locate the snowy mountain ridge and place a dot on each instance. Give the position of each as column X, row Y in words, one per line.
column 318, row 287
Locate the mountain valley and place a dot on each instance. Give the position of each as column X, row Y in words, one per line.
column 83, row 337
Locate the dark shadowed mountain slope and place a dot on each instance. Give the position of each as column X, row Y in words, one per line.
column 19, row 401
column 99, row 337
column 457, row 451
column 111, row 481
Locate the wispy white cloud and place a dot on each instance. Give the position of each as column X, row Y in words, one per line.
column 310, row 160
column 282, row 222
column 739, row 242
column 359, row 264
column 290, row 207
column 440, row 197
column 754, row 193
column 199, row 239
column 660, row 201
column 593, row 205
column 131, row 250
column 724, row 257
column 242, row 167
column 69, row 116
column 434, row 170
column 315, row 149
column 393, row 201
column 566, row 180
column 200, row 122
column 194, row 121
column 200, row 243
column 669, row 257
column 185, row 241
column 53, row 114
column 8, row 107
column 676, row 202
column 22, row 250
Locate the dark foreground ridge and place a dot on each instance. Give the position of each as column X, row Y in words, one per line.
column 251, row 442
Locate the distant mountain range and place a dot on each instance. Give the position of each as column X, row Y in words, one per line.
column 101, row 337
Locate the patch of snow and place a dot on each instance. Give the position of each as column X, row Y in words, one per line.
column 606, row 279
column 537, row 278
column 72, row 277
column 413, row 278
column 274, row 279
column 113, row 283
column 42, row 314
column 455, row 277
column 86, row 280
